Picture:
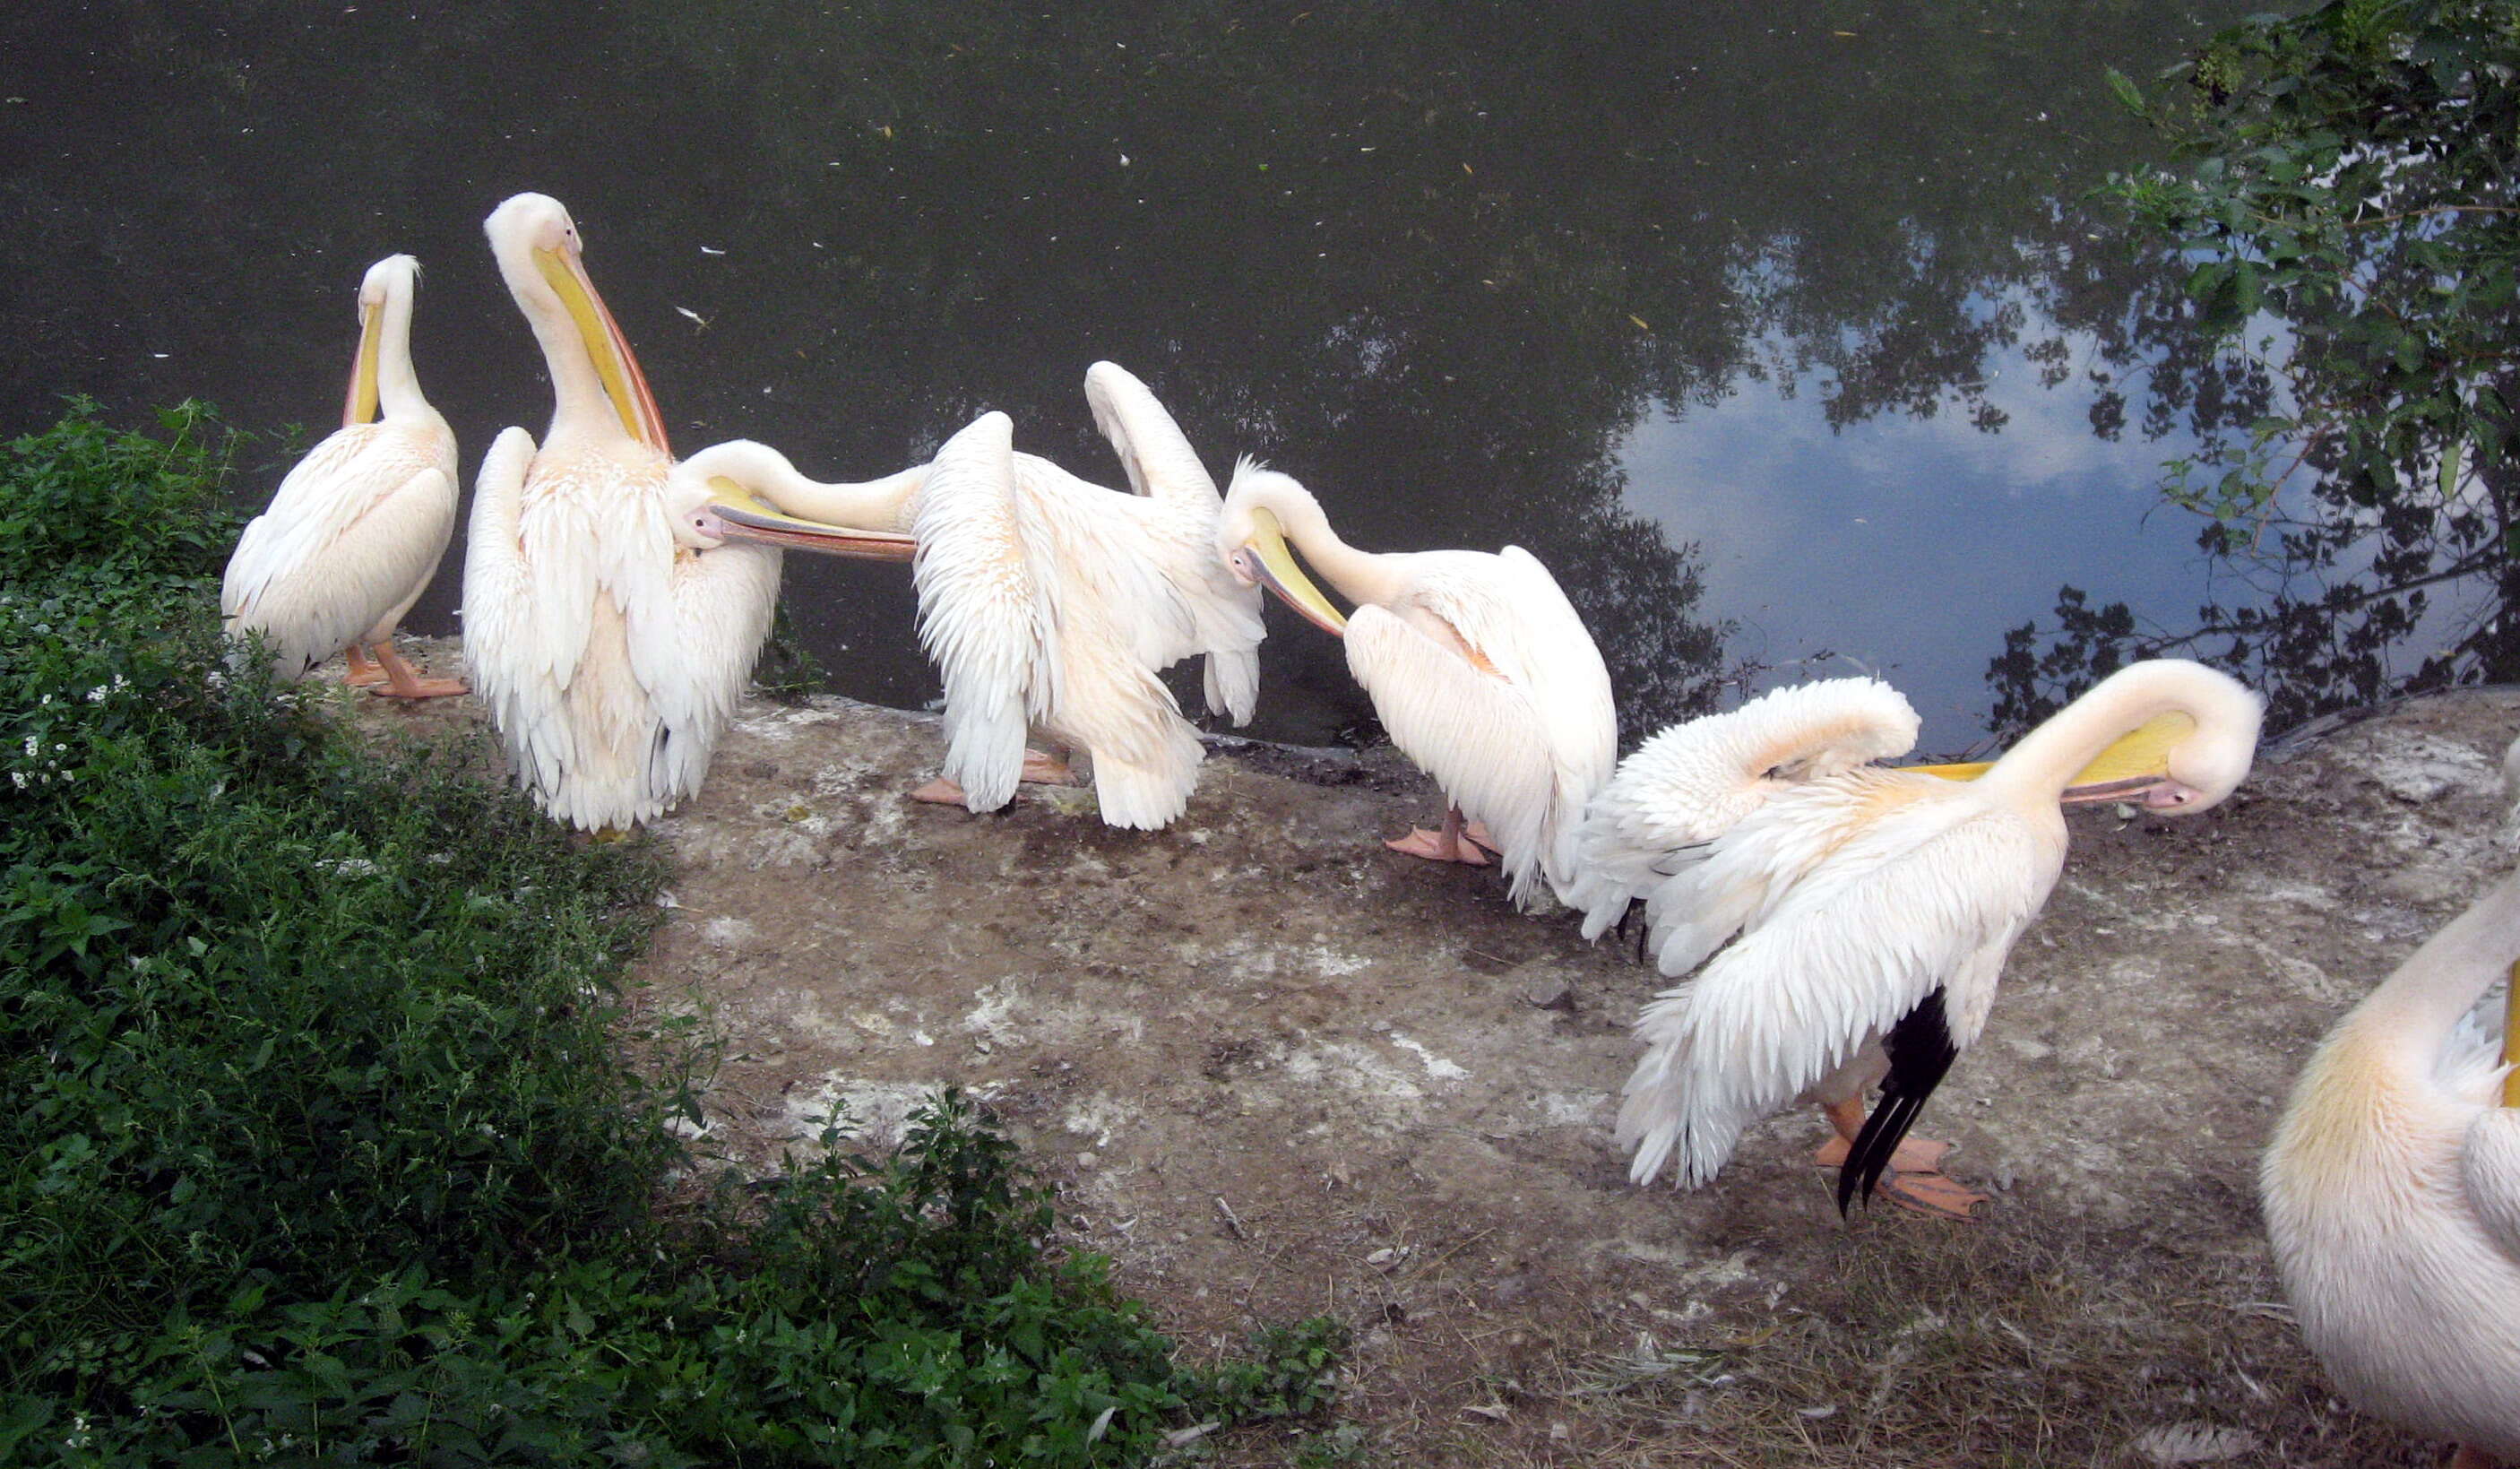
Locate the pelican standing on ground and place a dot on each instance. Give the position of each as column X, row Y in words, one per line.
column 354, row 533
column 1044, row 599
column 1477, row 666
column 2392, row 1194
column 609, row 650
column 1874, row 910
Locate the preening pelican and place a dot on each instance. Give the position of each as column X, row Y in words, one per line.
column 1875, row 908
column 610, row 647
column 355, row 531
column 1042, row 599
column 1477, row 666
column 2392, row 1195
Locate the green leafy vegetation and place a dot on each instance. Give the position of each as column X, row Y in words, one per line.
column 2343, row 204
column 329, row 1137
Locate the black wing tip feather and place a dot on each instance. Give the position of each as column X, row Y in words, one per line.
column 1922, row 1052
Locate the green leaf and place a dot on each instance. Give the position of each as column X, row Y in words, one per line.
column 2128, row 95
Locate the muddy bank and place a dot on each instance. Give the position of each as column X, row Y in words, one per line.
column 1275, row 1069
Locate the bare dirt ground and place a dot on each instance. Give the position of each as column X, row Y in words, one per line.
column 1275, row 1070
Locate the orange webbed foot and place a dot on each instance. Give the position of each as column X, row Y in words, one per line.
column 1435, row 847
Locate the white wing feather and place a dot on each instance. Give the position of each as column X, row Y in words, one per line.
column 982, row 614
column 693, row 651
column 350, row 538
column 1691, row 783
column 2489, row 1166
column 503, row 657
column 1478, row 735
column 1115, row 617
column 1165, row 468
column 1925, row 898
column 1158, row 457
column 1521, row 744
column 609, row 659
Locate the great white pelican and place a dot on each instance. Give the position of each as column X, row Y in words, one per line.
column 609, row 650
column 1873, row 908
column 1477, row 666
column 354, row 533
column 2392, row 1194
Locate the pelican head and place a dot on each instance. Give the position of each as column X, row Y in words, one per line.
column 2194, row 743
column 1251, row 539
column 540, row 256
column 395, row 276
column 707, row 505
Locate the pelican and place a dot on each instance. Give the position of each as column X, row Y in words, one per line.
column 354, row 533
column 1477, row 666
column 2392, row 1195
column 610, row 647
column 1044, row 599
column 1875, row 908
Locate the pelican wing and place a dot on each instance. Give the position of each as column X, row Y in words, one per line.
column 504, row 657
column 1926, row 897
column 982, row 614
column 1117, row 613
column 1516, row 722
column 1088, row 541
column 1691, row 783
column 353, row 533
column 692, row 649
column 1158, row 457
column 2489, row 1166
column 1164, row 467
column 1479, row 735
column 1145, row 755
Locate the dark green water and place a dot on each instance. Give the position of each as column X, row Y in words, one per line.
column 1776, row 330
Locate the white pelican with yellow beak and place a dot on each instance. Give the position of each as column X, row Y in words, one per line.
column 1874, row 907
column 1478, row 668
column 610, row 651
column 1044, row 599
column 355, row 533
column 2392, row 1193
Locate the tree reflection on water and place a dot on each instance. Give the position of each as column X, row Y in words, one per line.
column 1435, row 261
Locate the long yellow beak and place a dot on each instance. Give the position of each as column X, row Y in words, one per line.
column 361, row 406
column 615, row 366
column 2135, row 762
column 744, row 516
column 1281, row 573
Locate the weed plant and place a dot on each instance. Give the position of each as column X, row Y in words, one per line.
column 325, row 1141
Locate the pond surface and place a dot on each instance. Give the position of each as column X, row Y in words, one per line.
column 1780, row 332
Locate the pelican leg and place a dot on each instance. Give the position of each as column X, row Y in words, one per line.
column 1044, row 770
column 1916, row 1180
column 940, row 792
column 1446, row 845
column 403, row 681
column 1039, row 769
column 361, row 673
